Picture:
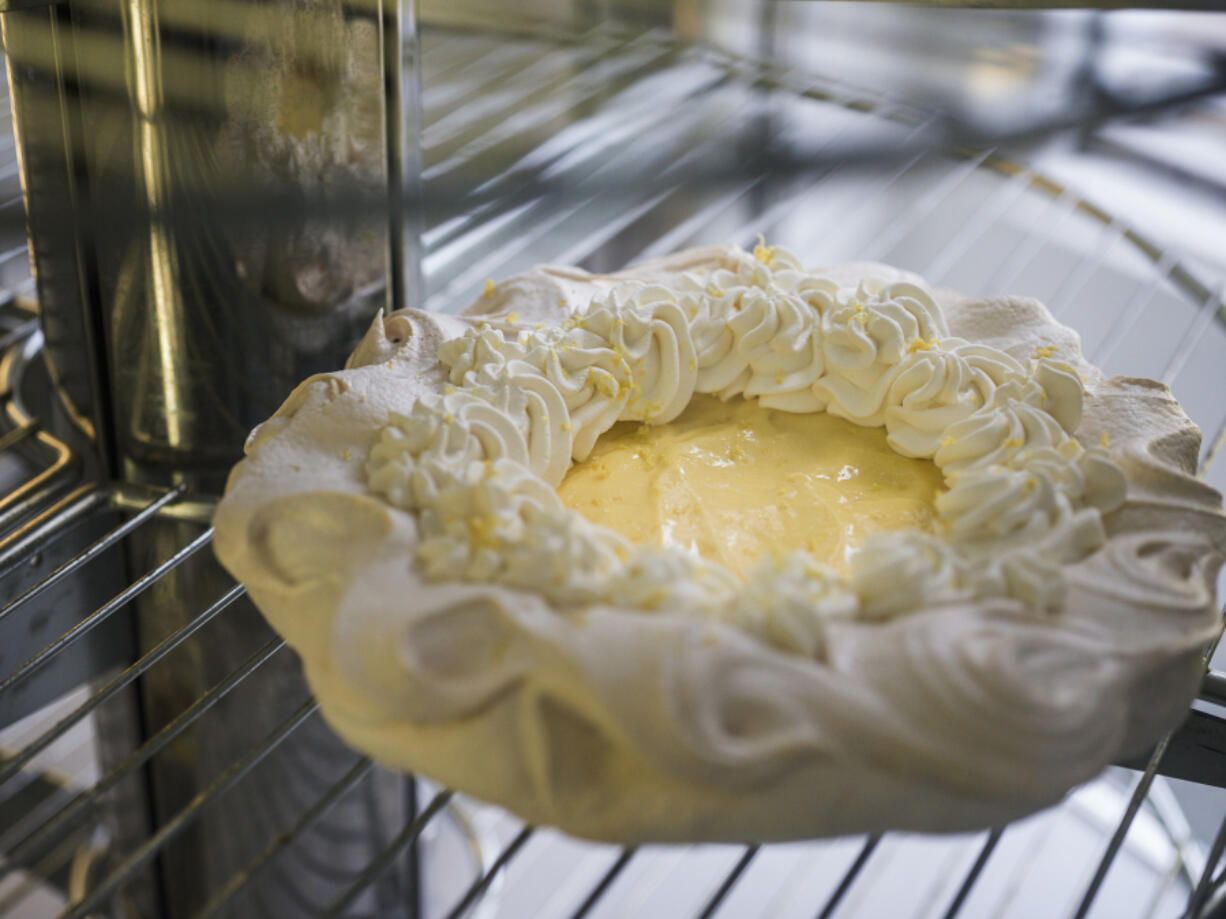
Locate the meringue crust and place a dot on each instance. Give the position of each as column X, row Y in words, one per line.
column 919, row 709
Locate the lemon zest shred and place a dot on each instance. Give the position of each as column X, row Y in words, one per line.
column 764, row 253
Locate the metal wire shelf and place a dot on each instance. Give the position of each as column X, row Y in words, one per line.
column 601, row 120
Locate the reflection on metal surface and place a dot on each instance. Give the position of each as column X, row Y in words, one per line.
column 167, row 358
column 196, row 329
column 60, row 471
column 169, row 339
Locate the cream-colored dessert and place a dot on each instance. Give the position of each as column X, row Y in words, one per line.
column 732, row 482
column 399, row 522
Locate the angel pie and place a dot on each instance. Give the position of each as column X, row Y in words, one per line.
column 721, row 547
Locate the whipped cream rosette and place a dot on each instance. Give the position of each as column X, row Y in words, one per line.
column 398, row 522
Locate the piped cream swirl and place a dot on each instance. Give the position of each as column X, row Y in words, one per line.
column 479, row 461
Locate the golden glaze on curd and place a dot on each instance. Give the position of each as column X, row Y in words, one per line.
column 732, row 481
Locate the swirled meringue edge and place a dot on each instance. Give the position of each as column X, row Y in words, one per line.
column 940, row 743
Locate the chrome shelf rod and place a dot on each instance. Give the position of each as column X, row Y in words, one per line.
column 381, row 861
column 240, row 879
column 981, row 861
column 29, row 497
column 453, row 229
column 849, row 877
column 768, row 220
column 478, row 886
column 465, row 113
column 605, row 882
column 730, row 879
column 19, row 547
column 118, row 683
column 80, row 805
column 94, row 550
column 104, row 612
column 1130, row 812
column 1210, row 309
column 219, row 786
column 1215, row 447
column 1204, row 887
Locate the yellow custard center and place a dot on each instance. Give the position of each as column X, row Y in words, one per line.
column 732, row 481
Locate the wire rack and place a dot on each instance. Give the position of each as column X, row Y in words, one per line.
column 614, row 102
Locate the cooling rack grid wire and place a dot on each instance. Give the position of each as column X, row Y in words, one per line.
column 614, row 102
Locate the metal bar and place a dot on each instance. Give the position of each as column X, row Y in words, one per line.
column 1064, row 205
column 611, row 66
column 12, row 895
column 1215, row 448
column 605, row 882
column 850, row 877
column 764, row 221
column 460, row 224
column 82, row 803
column 886, row 242
column 478, row 886
column 93, row 550
column 219, row 786
column 1081, row 273
column 456, row 52
column 465, row 118
column 584, row 172
column 117, row 684
column 402, row 129
column 461, row 114
column 416, row 897
column 196, row 508
column 588, row 244
column 241, row 879
column 986, row 214
column 1134, row 805
column 1192, row 337
column 879, row 189
column 1216, row 907
column 28, row 496
column 18, row 434
column 368, row 874
column 981, row 861
column 1121, row 831
column 614, row 69
column 672, row 239
column 71, row 508
column 1195, row 755
column 1213, row 687
column 1204, row 887
column 1134, row 309
column 730, row 880
column 100, row 615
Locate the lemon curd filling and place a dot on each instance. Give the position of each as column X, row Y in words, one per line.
column 732, row 481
